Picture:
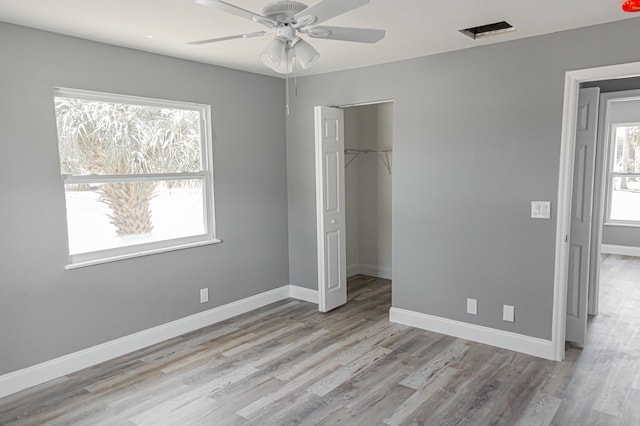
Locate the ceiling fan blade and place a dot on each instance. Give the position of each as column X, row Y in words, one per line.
column 327, row 9
column 214, row 40
column 359, row 35
column 238, row 11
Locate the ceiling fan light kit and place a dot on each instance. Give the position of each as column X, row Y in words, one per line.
column 273, row 54
column 305, row 53
column 288, row 19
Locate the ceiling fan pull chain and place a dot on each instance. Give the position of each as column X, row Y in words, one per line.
column 295, row 75
column 286, row 83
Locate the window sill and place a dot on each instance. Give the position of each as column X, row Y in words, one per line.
column 624, row 225
column 82, row 264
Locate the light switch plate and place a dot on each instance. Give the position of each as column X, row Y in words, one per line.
column 472, row 306
column 508, row 313
column 204, row 295
column 541, row 209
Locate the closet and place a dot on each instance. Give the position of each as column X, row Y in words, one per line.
column 368, row 131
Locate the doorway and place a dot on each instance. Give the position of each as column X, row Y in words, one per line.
column 616, row 207
column 573, row 82
column 368, row 188
column 353, row 212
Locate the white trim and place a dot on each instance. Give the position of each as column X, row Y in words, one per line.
column 353, row 269
column 370, row 270
column 610, row 129
column 67, row 92
column 490, row 336
column 621, row 250
column 634, row 224
column 303, row 293
column 22, row 379
column 147, row 177
column 376, row 271
column 563, row 227
column 359, row 104
column 150, row 251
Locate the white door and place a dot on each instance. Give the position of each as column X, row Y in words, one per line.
column 332, row 274
column 581, row 210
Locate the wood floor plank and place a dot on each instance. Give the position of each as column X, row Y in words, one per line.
column 189, row 407
column 294, row 386
column 631, row 414
column 267, row 338
column 344, row 373
column 469, row 390
column 418, row 398
column 611, row 398
column 422, row 375
column 337, row 352
column 288, row 364
column 540, row 411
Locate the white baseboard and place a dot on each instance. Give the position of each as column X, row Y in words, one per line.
column 376, row 271
column 22, row 379
column 621, row 250
column 353, row 269
column 370, row 270
column 477, row 333
column 303, row 293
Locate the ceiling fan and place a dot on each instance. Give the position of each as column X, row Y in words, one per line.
column 288, row 19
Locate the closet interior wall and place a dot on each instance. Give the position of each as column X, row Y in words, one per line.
column 368, row 190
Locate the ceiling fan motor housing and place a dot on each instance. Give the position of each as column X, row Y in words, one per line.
column 283, row 10
column 286, row 33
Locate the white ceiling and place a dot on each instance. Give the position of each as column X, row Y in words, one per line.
column 414, row 27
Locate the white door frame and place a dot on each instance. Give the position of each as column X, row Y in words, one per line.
column 565, row 185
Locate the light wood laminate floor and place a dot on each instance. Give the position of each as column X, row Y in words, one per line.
column 288, row 364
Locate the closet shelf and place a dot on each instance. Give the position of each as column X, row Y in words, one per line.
column 383, row 153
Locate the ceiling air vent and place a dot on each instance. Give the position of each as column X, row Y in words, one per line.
column 488, row 30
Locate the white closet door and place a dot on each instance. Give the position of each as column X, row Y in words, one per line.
column 581, row 209
column 330, row 202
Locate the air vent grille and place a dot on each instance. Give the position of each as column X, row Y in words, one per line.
column 488, row 30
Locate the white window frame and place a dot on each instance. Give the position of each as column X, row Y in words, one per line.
column 205, row 174
column 611, row 175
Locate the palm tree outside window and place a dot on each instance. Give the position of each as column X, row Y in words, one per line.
column 137, row 175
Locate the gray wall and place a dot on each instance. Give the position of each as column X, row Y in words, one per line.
column 46, row 311
column 621, row 235
column 368, row 189
column 476, row 138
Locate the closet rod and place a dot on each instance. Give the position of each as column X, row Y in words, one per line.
column 383, row 153
column 366, row 151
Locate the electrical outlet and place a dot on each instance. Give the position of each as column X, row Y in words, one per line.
column 204, row 295
column 508, row 313
column 472, row 306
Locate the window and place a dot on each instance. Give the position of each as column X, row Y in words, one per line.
column 137, row 175
column 623, row 206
